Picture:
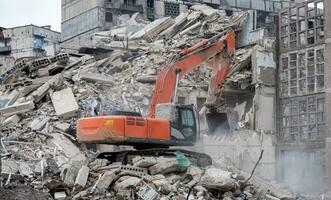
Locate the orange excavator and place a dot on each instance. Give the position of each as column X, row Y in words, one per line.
column 167, row 124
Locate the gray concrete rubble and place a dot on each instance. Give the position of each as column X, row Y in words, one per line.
column 42, row 98
column 64, row 103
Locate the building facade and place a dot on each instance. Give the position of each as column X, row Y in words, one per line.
column 302, row 128
column 29, row 41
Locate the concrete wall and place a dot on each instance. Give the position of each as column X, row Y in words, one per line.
column 80, row 24
column 6, row 62
column 72, row 8
column 159, row 9
column 242, row 146
column 242, row 150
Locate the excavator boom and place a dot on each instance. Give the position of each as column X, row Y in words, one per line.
column 219, row 52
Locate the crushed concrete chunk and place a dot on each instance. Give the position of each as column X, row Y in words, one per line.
column 165, row 166
column 38, row 123
column 60, row 195
column 25, row 169
column 9, row 167
column 63, row 126
column 65, row 103
column 126, row 182
column 12, row 120
column 217, row 179
column 144, row 161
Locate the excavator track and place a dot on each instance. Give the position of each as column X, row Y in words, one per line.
column 125, row 157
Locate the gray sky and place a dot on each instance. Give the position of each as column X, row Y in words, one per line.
column 23, row 12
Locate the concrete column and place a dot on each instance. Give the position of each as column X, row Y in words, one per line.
column 327, row 54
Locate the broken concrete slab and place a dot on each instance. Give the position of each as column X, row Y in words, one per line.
column 17, row 108
column 154, row 28
column 180, row 20
column 40, row 92
column 82, row 176
column 105, row 180
column 94, row 77
column 69, row 149
column 64, row 103
column 70, row 176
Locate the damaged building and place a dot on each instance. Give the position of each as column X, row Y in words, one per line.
column 301, row 94
column 81, row 18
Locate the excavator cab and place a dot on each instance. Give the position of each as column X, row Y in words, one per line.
column 184, row 124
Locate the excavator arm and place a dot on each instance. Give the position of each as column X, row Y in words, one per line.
column 217, row 51
column 181, row 130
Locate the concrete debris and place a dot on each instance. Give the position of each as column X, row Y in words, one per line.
column 218, row 180
column 94, row 77
column 69, row 149
column 60, row 195
column 63, row 126
column 64, row 103
column 82, row 176
column 17, row 108
column 144, row 161
column 39, row 122
column 165, row 166
column 42, row 98
column 12, row 120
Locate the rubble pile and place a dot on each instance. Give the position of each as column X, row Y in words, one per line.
column 41, row 99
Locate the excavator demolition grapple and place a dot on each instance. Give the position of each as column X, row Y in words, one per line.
column 167, row 124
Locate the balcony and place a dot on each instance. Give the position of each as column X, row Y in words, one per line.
column 125, row 7
column 132, row 8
